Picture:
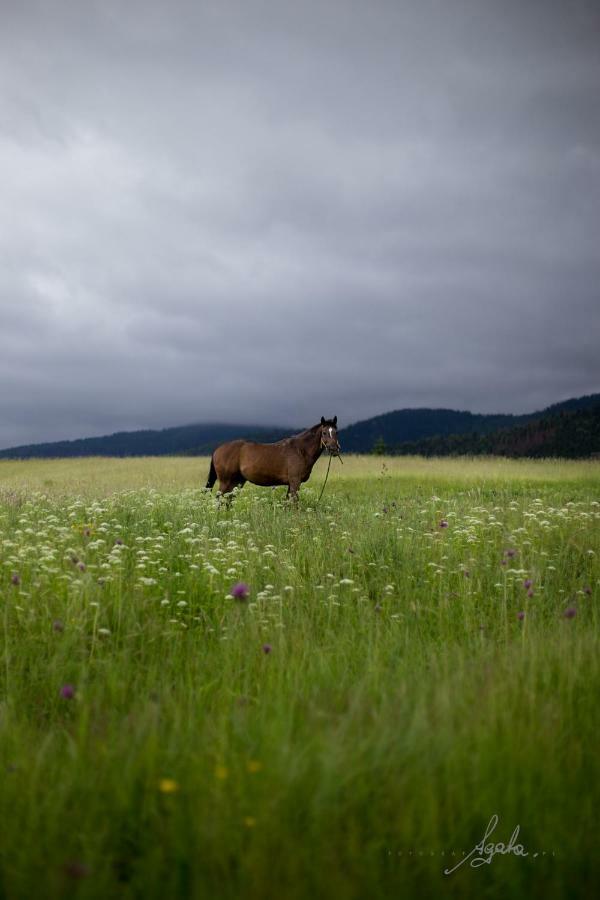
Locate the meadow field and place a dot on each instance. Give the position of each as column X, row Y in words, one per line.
column 332, row 700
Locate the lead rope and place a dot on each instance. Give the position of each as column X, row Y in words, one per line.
column 327, row 474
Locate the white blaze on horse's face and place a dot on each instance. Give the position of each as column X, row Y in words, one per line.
column 329, row 438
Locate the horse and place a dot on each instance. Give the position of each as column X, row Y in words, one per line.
column 287, row 462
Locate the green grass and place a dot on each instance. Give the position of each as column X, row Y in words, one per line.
column 401, row 705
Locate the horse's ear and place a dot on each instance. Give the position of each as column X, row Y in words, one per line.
column 335, row 421
column 322, row 420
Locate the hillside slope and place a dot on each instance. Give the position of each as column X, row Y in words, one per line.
column 385, row 433
column 573, row 434
column 187, row 439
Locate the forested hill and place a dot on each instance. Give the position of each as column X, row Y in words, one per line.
column 389, row 430
column 185, row 440
column 385, row 433
column 573, row 434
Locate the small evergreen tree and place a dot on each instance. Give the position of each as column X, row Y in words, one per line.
column 380, row 447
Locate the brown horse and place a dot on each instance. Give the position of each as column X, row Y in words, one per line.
column 289, row 461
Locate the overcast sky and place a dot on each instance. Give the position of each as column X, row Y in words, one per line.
column 271, row 211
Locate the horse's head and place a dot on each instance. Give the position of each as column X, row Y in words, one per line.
column 329, row 438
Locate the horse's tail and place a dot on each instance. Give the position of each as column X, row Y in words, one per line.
column 212, row 475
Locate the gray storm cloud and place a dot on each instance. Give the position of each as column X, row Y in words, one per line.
column 264, row 212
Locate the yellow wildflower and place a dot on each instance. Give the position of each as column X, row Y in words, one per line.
column 168, row 786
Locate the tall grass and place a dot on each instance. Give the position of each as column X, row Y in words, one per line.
column 416, row 653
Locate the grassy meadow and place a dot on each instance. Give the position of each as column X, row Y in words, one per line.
column 415, row 654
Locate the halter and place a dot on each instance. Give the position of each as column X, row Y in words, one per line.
column 325, row 447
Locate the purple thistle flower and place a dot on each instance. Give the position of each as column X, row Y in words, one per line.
column 76, row 870
column 530, row 593
column 527, row 583
column 67, row 691
column 587, row 590
column 15, row 579
column 119, row 541
column 81, row 566
column 240, row 591
column 266, row 648
column 443, row 523
column 570, row 612
column 57, row 625
column 520, row 616
column 510, row 553
column 502, row 562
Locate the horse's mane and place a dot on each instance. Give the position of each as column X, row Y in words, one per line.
column 300, row 434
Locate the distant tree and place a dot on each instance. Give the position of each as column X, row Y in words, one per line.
column 380, row 447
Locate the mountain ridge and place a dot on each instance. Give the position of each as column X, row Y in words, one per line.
column 382, row 432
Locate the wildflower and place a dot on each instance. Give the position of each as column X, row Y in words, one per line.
column 57, row 625
column 168, row 786
column 530, row 593
column 15, row 579
column 266, row 648
column 240, row 591
column 570, row 612
column 443, row 523
column 104, row 631
column 587, row 590
column 520, row 615
column 253, row 766
column 510, row 553
column 119, row 542
column 81, row 566
column 67, row 691
column 527, row 583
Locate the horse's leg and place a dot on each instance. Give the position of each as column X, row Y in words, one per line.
column 227, row 485
column 293, row 487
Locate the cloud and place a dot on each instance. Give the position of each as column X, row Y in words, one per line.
column 265, row 212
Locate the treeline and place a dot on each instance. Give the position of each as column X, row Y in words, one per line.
column 427, row 431
column 569, row 434
column 417, row 425
column 184, row 440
